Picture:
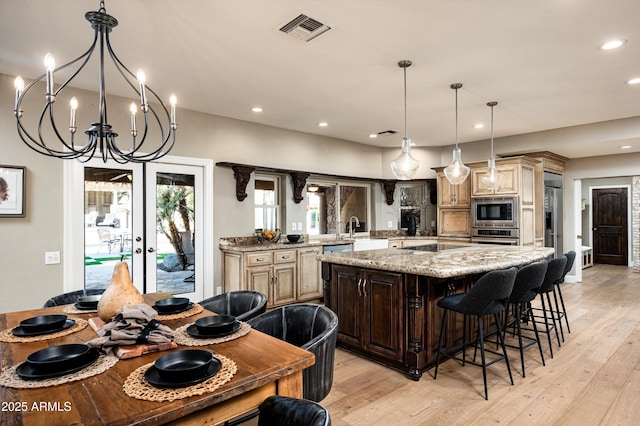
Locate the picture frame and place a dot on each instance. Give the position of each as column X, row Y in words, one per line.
column 12, row 191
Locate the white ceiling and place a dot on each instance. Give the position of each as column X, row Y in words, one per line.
column 538, row 59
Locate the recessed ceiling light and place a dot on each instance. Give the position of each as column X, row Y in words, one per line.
column 613, row 44
column 323, row 124
column 256, row 109
column 373, row 135
column 625, row 147
column 478, row 126
column 634, row 81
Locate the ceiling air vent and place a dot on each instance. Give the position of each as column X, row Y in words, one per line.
column 387, row 132
column 304, row 28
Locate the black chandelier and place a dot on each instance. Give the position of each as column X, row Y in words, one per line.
column 100, row 136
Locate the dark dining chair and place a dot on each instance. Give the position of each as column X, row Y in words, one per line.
column 488, row 296
column 243, row 304
column 71, row 297
column 561, row 311
column 310, row 327
column 285, row 411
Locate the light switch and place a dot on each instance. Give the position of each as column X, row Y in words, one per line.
column 51, row 257
column 299, row 226
column 390, row 224
column 294, row 227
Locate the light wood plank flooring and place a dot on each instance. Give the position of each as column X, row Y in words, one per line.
column 593, row 379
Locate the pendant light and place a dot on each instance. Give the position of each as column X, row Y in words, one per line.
column 405, row 166
column 456, row 172
column 492, row 179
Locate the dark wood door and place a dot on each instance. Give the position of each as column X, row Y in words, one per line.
column 610, row 239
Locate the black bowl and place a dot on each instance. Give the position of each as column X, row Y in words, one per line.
column 43, row 323
column 89, row 301
column 293, row 238
column 215, row 324
column 172, row 304
column 58, row 358
column 184, row 365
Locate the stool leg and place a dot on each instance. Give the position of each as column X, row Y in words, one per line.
column 553, row 319
column 484, row 361
column 546, row 324
column 563, row 308
column 504, row 349
column 535, row 331
column 559, row 313
column 442, row 329
column 519, row 330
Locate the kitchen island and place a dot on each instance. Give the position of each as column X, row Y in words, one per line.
column 386, row 300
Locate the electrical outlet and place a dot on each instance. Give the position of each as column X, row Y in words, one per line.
column 390, row 224
column 51, row 257
column 294, row 227
column 299, row 226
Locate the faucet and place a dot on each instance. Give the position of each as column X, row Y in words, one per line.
column 352, row 229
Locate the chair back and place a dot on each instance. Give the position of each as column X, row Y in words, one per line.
column 490, row 294
column 286, row 411
column 243, row 304
column 555, row 269
column 71, row 297
column 571, row 257
column 310, row 327
column 528, row 280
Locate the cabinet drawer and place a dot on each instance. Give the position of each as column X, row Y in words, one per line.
column 260, row 258
column 284, row 256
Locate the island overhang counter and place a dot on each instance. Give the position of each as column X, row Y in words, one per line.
column 386, row 300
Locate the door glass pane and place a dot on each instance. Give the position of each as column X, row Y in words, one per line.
column 175, row 238
column 107, row 223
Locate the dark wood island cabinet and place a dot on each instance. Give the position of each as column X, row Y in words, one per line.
column 386, row 300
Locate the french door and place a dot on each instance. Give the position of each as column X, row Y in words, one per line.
column 149, row 215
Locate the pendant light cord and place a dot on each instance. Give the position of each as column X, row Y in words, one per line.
column 492, row 104
column 405, row 102
column 456, row 117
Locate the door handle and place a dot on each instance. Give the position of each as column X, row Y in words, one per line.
column 364, row 289
column 150, row 250
column 359, row 288
column 138, row 250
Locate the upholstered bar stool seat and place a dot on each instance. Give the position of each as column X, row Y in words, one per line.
column 488, row 296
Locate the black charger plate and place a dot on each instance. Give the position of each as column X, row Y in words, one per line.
column 177, row 311
column 152, row 375
column 27, row 371
column 18, row 331
column 193, row 331
column 86, row 307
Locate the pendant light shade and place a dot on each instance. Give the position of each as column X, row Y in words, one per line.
column 405, row 166
column 456, row 172
column 492, row 179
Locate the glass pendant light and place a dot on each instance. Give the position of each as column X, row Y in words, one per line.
column 405, row 166
column 492, row 179
column 456, row 172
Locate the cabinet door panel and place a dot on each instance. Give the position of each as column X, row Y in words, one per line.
column 383, row 335
column 258, row 278
column 345, row 300
column 284, row 290
column 309, row 281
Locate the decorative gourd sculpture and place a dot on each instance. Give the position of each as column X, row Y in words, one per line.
column 120, row 293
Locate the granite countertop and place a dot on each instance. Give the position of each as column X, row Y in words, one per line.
column 248, row 244
column 455, row 259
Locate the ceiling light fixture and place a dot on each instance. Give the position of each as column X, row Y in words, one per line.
column 492, row 179
column 404, row 167
column 256, row 109
column 456, row 172
column 478, row 126
column 100, row 135
column 634, row 81
column 626, row 147
column 613, row 44
column 323, row 124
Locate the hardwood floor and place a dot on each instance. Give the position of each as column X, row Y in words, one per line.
column 593, row 379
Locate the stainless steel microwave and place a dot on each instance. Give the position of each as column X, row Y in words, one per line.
column 495, row 212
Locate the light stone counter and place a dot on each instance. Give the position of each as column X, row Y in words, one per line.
column 454, row 259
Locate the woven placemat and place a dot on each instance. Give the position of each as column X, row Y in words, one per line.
column 71, row 309
column 196, row 309
column 182, row 337
column 9, row 378
column 9, row 337
column 136, row 386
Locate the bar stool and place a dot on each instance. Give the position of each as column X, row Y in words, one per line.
column 488, row 296
column 555, row 268
column 528, row 280
column 562, row 313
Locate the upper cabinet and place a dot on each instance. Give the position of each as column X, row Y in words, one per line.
column 452, row 195
column 519, row 175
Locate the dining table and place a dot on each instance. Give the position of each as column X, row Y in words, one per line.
column 264, row 366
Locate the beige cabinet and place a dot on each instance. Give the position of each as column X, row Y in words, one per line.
column 454, row 222
column 452, row 195
column 309, row 274
column 283, row 275
column 454, row 207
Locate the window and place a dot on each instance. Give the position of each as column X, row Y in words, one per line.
column 266, row 202
column 330, row 205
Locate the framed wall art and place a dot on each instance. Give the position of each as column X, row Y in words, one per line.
column 12, row 191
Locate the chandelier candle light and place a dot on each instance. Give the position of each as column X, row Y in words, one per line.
column 456, row 172
column 492, row 179
column 405, row 166
column 101, row 138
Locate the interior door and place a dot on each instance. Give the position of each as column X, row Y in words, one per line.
column 610, row 239
column 174, row 229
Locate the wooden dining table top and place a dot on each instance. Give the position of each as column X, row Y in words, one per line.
column 260, row 359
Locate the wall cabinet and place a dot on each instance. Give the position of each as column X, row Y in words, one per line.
column 452, row 195
column 367, row 302
column 283, row 275
column 454, row 207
